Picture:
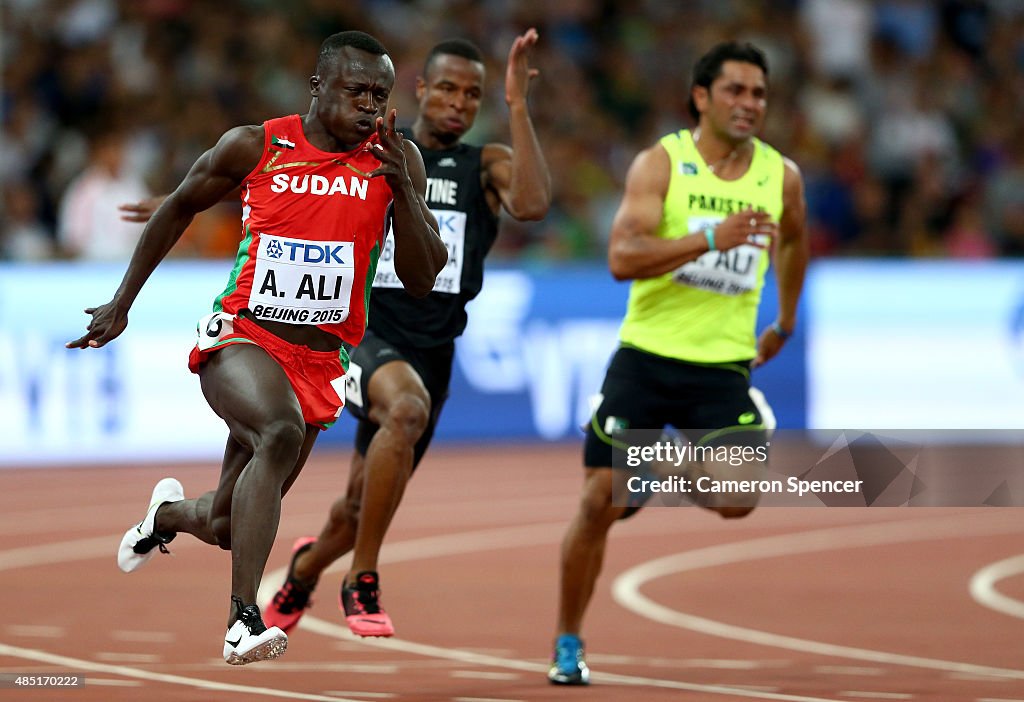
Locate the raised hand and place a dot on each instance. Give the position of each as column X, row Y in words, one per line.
column 389, row 152
column 518, row 72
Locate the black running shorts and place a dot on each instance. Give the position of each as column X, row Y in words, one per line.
column 433, row 365
column 644, row 391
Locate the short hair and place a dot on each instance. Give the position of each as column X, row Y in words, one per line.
column 336, row 42
column 709, row 66
column 454, row 47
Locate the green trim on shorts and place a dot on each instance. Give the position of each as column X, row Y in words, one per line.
column 240, row 259
column 736, row 428
column 728, row 365
column 604, row 437
column 233, row 340
column 345, row 359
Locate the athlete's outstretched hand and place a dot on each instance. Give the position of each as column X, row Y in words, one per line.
column 769, row 343
column 389, row 152
column 142, row 210
column 106, row 325
column 518, row 72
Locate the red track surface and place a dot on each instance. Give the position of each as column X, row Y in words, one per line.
column 788, row 604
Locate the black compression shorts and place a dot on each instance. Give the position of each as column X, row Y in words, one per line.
column 642, row 391
column 433, row 365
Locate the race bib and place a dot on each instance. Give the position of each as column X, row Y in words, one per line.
column 451, row 226
column 213, row 328
column 353, row 390
column 302, row 282
column 731, row 272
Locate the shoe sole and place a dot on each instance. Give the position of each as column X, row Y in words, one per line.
column 367, row 629
column 266, row 651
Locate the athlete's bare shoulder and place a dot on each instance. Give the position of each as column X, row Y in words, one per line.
column 792, row 170
column 238, row 151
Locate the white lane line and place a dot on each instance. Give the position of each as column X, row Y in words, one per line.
column 120, row 657
column 36, row 630
column 983, row 586
column 484, row 699
column 758, row 688
column 329, row 629
column 974, row 677
column 732, row 664
column 79, row 664
column 285, row 666
column 484, row 675
column 626, row 588
column 60, row 552
column 112, row 682
column 370, row 695
column 719, row 663
column 143, row 636
column 877, row 695
column 855, row 670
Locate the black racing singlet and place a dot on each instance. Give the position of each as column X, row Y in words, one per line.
column 468, row 227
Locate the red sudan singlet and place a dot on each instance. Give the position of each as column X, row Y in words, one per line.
column 313, row 226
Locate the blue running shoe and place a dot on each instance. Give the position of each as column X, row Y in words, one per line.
column 567, row 664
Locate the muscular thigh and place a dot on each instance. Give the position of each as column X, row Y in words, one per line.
column 249, row 391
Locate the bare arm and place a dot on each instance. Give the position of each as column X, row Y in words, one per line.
column 791, row 257
column 634, row 251
column 211, row 177
column 419, row 252
column 519, row 175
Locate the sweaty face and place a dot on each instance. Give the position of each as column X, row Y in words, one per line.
column 351, row 92
column 735, row 105
column 449, row 96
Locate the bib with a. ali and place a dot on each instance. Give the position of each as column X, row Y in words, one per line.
column 302, row 282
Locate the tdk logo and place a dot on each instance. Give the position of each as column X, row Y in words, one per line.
column 445, row 222
column 446, row 162
column 304, row 252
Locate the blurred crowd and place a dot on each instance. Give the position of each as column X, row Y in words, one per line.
column 904, row 115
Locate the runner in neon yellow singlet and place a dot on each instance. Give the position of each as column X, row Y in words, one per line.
column 701, row 212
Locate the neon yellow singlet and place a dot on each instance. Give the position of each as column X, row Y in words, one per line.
column 706, row 310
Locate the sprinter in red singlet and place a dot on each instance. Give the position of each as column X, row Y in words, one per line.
column 318, row 192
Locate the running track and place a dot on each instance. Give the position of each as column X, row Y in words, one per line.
column 795, row 604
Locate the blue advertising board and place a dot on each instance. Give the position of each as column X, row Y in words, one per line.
column 534, row 353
